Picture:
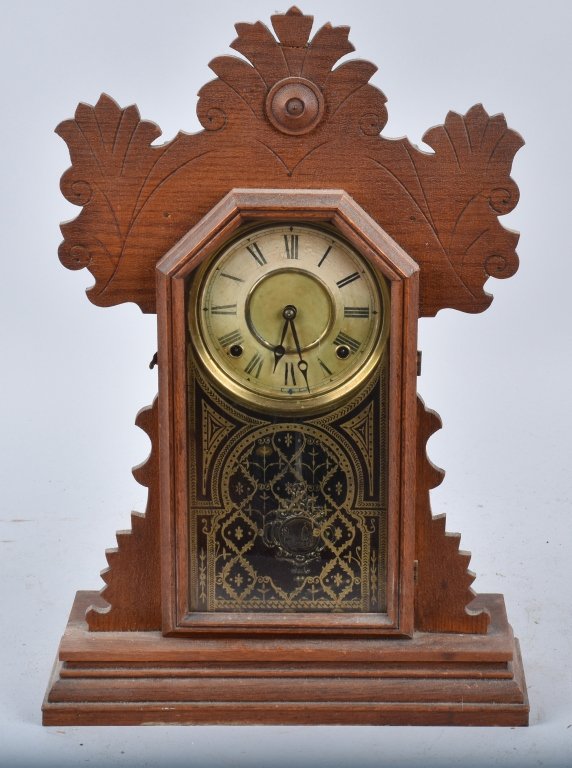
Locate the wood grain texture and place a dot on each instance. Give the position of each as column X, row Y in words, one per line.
column 145, row 678
column 139, row 199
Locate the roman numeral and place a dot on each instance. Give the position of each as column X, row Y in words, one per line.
column 232, row 277
column 356, row 312
column 289, row 374
column 328, row 249
column 224, row 309
column 347, row 341
column 291, row 242
column 348, row 279
column 255, row 365
column 324, row 367
column 256, row 253
column 234, row 337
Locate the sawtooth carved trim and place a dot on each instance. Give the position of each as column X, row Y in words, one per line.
column 133, row 579
column 443, row 588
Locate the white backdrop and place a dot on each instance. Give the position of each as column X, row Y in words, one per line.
column 74, row 375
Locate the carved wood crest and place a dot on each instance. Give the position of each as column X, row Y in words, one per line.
column 288, row 117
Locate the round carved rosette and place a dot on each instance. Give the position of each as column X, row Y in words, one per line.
column 295, row 105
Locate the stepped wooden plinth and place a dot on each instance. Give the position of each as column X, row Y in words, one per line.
column 143, row 678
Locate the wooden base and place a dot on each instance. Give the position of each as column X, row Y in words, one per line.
column 143, row 678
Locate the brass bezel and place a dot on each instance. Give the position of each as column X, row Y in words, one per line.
column 248, row 395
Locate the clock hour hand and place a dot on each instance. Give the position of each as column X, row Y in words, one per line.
column 280, row 350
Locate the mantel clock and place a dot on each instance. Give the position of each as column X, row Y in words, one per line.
column 288, row 568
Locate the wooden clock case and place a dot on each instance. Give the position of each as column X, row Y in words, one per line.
column 181, row 441
column 288, row 137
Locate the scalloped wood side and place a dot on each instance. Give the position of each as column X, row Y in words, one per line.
column 139, row 199
column 133, row 579
column 443, row 586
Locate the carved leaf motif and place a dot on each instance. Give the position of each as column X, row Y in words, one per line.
column 293, row 54
column 275, row 59
column 259, row 46
column 473, row 155
column 343, row 81
column 115, row 172
column 111, row 156
column 454, row 198
column 292, row 28
column 329, row 45
column 244, row 79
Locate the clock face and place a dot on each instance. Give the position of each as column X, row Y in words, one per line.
column 289, row 317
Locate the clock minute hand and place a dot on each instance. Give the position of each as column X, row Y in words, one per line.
column 302, row 364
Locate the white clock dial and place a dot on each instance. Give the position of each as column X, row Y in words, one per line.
column 289, row 317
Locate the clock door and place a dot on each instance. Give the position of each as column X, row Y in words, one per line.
column 288, row 400
column 288, row 514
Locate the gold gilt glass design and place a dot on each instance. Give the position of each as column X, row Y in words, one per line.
column 297, row 519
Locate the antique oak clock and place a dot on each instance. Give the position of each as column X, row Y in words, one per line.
column 288, row 568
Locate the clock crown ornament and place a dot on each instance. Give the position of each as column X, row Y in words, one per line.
column 292, row 79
